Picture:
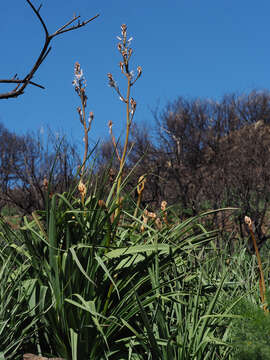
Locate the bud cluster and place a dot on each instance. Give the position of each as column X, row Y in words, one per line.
column 79, row 82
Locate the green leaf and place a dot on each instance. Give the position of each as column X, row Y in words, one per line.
column 74, row 344
column 163, row 248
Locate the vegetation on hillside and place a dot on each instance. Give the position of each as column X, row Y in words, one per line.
column 139, row 250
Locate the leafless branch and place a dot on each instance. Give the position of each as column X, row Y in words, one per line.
column 21, row 84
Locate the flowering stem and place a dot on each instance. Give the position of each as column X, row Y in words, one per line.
column 123, row 157
column 126, row 52
column 80, row 85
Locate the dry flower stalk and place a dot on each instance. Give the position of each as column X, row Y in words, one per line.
column 248, row 221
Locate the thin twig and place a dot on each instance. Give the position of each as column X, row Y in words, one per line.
column 23, row 83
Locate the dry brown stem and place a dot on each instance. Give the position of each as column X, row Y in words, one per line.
column 110, row 124
column 248, row 221
column 140, row 188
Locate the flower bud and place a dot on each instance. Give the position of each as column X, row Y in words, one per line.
column 124, row 29
column 139, row 69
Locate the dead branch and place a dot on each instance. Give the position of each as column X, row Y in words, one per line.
column 21, row 84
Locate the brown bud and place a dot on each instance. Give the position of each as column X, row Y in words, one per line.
column 163, row 205
column 248, row 221
column 124, row 29
column 112, row 174
column 110, row 123
column 77, row 67
column 102, row 204
column 111, row 81
column 139, row 69
column 145, row 220
column 133, row 103
column 45, row 183
column 82, row 188
column 152, row 215
column 158, row 223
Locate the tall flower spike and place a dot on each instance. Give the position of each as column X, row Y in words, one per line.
column 80, row 87
column 124, row 48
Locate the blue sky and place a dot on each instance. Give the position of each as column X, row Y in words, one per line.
column 189, row 48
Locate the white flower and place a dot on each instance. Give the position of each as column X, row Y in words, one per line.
column 129, row 41
column 79, row 75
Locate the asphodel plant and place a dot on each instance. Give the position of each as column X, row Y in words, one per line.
column 129, row 102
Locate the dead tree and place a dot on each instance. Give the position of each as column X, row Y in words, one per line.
column 21, row 83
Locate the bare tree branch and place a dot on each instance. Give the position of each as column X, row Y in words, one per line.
column 23, row 83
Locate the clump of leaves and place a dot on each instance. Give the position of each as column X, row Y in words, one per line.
column 251, row 332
